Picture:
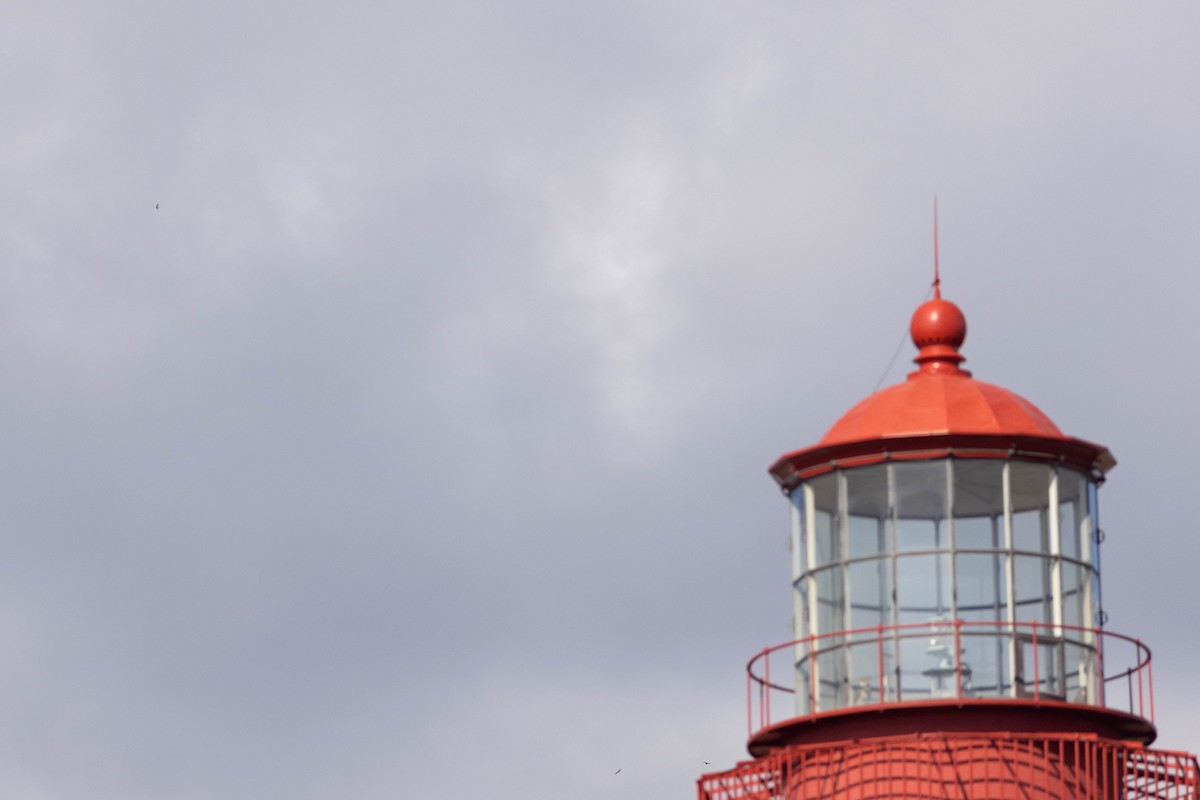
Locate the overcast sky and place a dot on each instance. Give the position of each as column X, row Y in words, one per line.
column 416, row 444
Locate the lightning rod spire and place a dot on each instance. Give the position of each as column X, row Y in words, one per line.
column 937, row 278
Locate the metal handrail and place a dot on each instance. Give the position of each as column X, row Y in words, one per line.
column 1088, row 640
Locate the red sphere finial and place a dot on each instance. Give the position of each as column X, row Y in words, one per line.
column 939, row 329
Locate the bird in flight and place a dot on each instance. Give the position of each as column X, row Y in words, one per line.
column 618, row 772
column 156, row 206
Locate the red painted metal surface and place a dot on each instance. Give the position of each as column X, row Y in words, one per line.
column 934, row 402
column 979, row 717
column 926, row 766
column 939, row 328
column 940, row 404
column 1124, row 676
column 792, row 468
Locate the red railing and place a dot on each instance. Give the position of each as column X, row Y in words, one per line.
column 1029, row 660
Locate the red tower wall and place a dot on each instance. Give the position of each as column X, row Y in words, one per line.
column 933, row 766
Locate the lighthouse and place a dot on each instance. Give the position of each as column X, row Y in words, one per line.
column 949, row 637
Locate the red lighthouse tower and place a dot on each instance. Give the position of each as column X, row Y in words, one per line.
column 949, row 638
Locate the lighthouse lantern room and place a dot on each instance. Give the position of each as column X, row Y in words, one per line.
column 949, row 638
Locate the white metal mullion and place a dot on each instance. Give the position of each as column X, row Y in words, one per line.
column 844, row 571
column 996, row 589
column 1056, row 557
column 1056, row 607
column 882, row 569
column 950, row 552
column 799, row 612
column 895, row 587
column 795, row 543
column 810, row 523
column 951, row 545
column 1088, row 614
column 1010, row 584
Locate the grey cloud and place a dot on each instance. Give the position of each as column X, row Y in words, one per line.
column 431, row 410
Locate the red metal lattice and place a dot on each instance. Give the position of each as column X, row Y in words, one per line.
column 946, row 766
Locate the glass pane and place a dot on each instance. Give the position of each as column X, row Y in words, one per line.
column 830, row 610
column 923, row 588
column 1081, row 673
column 938, row 664
column 920, row 489
column 870, row 593
column 867, row 498
column 803, row 687
column 865, row 673
column 1072, row 492
column 825, row 525
column 978, row 503
column 916, row 534
column 1030, row 488
column 1029, row 531
column 984, row 661
column 890, row 668
column 800, row 609
column 1072, row 654
column 1092, row 548
column 1092, row 555
column 1073, row 577
column 867, row 536
column 912, row 684
column 977, row 533
column 831, row 679
column 1031, row 590
column 981, row 589
column 1072, row 591
column 799, row 550
column 1040, row 668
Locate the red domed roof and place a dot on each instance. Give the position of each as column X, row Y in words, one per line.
column 940, row 410
column 936, row 403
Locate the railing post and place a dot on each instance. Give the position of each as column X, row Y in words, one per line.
column 879, row 645
column 767, row 688
column 812, row 677
column 1037, row 677
column 1138, row 657
column 1150, row 682
column 958, row 657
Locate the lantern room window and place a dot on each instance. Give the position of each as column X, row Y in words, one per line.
column 922, row 579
